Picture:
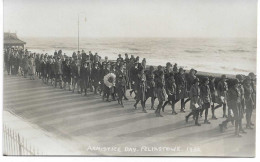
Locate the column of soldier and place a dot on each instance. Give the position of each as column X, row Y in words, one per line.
column 111, row 79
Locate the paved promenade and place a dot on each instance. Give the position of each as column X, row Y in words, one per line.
column 95, row 127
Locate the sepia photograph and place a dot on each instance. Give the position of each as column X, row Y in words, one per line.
column 131, row 78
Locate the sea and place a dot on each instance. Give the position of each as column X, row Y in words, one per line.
column 216, row 55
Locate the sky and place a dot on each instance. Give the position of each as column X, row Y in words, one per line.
column 131, row 18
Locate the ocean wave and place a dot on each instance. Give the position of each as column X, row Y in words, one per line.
column 192, row 51
column 239, row 50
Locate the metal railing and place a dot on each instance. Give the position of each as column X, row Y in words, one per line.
column 15, row 144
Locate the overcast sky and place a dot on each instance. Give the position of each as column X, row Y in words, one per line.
column 131, row 18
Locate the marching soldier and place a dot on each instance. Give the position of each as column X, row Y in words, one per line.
column 141, row 89
column 195, row 102
column 205, row 98
column 160, row 90
column 222, row 89
column 150, row 86
column 171, row 92
column 120, row 85
column 248, row 101
column 181, row 87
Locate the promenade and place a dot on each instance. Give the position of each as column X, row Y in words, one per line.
column 95, row 127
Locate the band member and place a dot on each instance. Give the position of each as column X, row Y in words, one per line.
column 171, row 92
column 248, row 101
column 195, row 102
column 205, row 98
column 160, row 90
column 150, row 86
column 181, row 85
column 222, row 89
column 141, row 89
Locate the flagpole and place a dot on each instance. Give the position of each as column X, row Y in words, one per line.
column 78, row 32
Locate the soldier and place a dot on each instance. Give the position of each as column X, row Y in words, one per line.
column 222, row 89
column 248, row 101
column 195, row 102
column 120, row 85
column 206, row 98
column 120, row 59
column 106, row 90
column 74, row 73
column 141, row 89
column 67, row 74
column 150, row 86
column 190, row 78
column 58, row 74
column 253, row 84
column 181, row 85
column 234, row 101
column 101, row 79
column 43, row 69
column 52, row 73
column 85, row 76
column 171, row 92
column 48, row 69
column 127, row 60
column 95, row 75
column 175, row 69
column 160, row 90
column 134, row 78
column 242, row 92
column 213, row 92
column 31, row 67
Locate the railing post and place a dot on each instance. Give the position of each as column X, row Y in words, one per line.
column 19, row 145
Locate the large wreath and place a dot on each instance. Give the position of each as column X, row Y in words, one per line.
column 110, row 80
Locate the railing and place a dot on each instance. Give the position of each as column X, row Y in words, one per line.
column 15, row 144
